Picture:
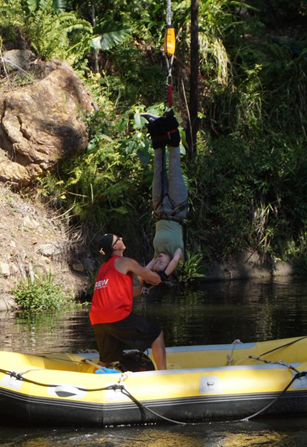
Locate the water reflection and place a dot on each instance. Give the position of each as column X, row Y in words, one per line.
column 216, row 313
column 45, row 332
column 277, row 433
column 223, row 312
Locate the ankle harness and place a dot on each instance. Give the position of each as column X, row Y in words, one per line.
column 164, row 137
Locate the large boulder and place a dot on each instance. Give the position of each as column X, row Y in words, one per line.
column 41, row 123
column 18, row 60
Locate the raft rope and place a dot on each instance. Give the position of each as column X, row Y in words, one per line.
column 116, row 386
column 230, row 356
column 140, row 405
column 239, row 361
column 284, row 346
column 119, row 386
column 298, row 375
column 279, row 362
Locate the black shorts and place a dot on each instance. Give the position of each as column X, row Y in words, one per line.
column 133, row 332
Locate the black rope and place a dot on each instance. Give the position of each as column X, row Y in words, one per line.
column 268, row 362
column 114, row 387
column 297, row 376
column 19, row 376
column 139, row 404
column 142, row 407
column 283, row 346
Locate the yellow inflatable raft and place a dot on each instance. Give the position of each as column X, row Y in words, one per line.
column 214, row 382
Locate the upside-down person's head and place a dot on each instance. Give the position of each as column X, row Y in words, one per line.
column 161, row 262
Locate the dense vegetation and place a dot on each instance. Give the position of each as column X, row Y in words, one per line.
column 248, row 179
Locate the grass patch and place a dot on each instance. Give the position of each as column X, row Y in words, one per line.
column 41, row 293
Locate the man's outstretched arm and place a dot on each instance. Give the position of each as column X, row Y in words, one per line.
column 125, row 265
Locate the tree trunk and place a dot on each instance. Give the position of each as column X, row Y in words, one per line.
column 192, row 128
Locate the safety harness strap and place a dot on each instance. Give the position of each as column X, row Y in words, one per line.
column 163, row 137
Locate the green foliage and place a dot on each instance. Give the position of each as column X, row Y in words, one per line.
column 59, row 5
column 191, row 270
column 249, row 195
column 40, row 294
column 107, row 186
column 49, row 31
column 34, row 5
column 220, row 198
column 110, row 34
column 52, row 35
column 135, row 80
column 11, row 14
column 251, row 78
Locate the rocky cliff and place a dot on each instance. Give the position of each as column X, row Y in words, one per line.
column 41, row 122
column 34, row 241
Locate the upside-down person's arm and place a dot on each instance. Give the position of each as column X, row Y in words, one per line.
column 174, row 262
column 150, row 264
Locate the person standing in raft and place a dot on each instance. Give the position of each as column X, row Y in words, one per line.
column 115, row 326
column 170, row 196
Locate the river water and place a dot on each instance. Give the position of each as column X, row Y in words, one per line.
column 251, row 310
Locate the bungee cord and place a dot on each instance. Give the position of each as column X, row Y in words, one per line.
column 169, row 52
column 169, row 13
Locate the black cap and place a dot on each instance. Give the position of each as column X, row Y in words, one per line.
column 106, row 243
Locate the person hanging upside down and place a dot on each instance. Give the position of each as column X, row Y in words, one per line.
column 170, row 196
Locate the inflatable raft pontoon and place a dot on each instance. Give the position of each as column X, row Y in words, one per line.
column 214, row 382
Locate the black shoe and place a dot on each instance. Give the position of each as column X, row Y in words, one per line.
column 149, row 117
column 163, row 130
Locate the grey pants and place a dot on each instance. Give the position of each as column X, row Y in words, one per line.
column 170, row 196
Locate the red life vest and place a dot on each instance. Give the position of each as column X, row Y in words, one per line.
column 113, row 294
